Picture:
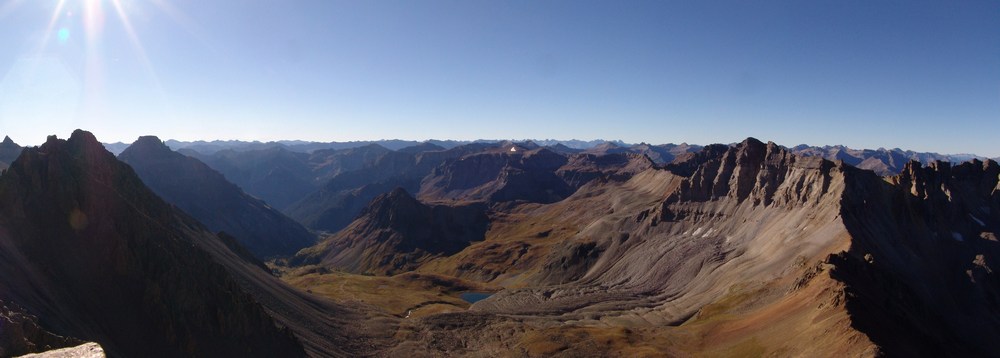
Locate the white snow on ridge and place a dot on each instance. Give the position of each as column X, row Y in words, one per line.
column 980, row 222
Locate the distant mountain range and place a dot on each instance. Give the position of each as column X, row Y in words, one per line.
column 210, row 147
column 882, row 161
column 748, row 249
column 325, row 186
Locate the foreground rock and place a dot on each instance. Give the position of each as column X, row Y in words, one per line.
column 87, row 350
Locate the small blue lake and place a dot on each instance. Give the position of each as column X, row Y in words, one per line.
column 473, row 297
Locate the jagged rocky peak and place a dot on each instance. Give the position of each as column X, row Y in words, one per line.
column 396, row 209
column 149, row 145
column 394, row 195
column 82, row 149
column 98, row 256
column 79, row 140
column 150, row 141
column 939, row 177
column 750, row 170
column 9, row 151
column 397, row 233
column 218, row 204
column 686, row 164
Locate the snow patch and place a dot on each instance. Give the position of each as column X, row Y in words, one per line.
column 980, row 222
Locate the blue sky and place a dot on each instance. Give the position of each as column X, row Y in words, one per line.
column 921, row 75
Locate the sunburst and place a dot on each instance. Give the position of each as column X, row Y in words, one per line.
column 91, row 18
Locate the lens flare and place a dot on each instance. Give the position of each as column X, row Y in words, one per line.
column 85, row 24
column 63, row 35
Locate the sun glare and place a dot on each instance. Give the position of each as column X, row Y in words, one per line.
column 88, row 25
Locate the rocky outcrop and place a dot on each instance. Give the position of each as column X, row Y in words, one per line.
column 397, row 233
column 86, row 350
column 580, row 169
column 21, row 334
column 211, row 199
column 754, row 170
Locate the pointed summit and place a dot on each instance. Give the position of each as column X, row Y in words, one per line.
column 8, row 152
column 101, row 257
column 206, row 195
column 150, row 140
column 149, row 145
column 85, row 136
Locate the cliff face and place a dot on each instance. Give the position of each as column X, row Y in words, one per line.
column 211, row 199
column 755, row 171
column 901, row 265
column 663, row 234
column 921, row 265
column 580, row 169
column 95, row 255
column 20, row 333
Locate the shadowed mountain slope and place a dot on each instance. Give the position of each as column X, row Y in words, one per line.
column 397, row 233
column 208, row 197
column 280, row 176
column 513, row 173
column 276, row 175
column 343, row 197
column 95, row 255
column 921, row 269
column 505, row 173
column 8, row 152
